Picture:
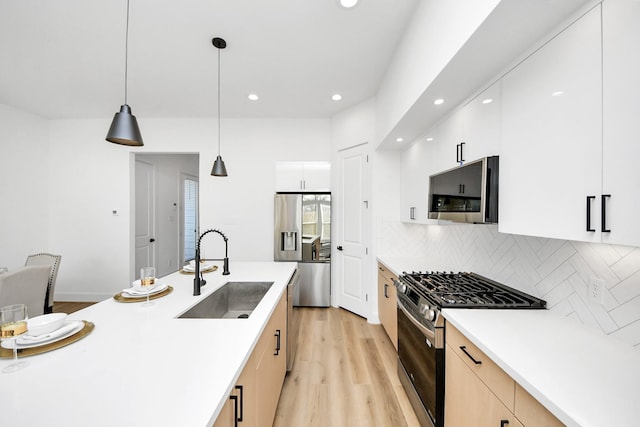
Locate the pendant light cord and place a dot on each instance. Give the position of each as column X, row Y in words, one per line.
column 218, row 101
column 126, row 56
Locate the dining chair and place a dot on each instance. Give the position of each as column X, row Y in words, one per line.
column 54, row 262
column 25, row 285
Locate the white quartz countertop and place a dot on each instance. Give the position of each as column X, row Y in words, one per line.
column 582, row 376
column 141, row 365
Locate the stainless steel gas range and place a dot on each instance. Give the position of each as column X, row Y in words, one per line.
column 421, row 332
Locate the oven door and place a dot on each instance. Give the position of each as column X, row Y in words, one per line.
column 421, row 368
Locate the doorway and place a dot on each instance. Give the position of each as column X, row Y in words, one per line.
column 165, row 210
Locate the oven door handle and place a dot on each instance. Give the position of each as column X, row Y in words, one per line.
column 431, row 336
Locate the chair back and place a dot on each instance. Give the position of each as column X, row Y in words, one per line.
column 25, row 285
column 54, row 262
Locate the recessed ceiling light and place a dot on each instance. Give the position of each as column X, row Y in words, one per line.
column 253, row 97
column 429, row 139
column 336, row 97
column 399, row 139
column 348, row 3
column 438, row 101
column 557, row 93
column 487, row 101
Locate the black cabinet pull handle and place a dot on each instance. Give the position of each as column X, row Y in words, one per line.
column 386, row 286
column 589, row 198
column 504, row 423
column 461, row 152
column 277, row 335
column 412, row 213
column 464, row 349
column 235, row 409
column 604, row 213
column 457, row 153
column 241, row 390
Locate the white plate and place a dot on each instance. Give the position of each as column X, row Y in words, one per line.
column 192, row 268
column 134, row 293
column 69, row 328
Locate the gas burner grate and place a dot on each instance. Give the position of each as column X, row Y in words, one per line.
column 469, row 290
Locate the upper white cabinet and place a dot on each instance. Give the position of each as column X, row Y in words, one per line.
column 621, row 125
column 471, row 133
column 551, row 137
column 415, row 170
column 303, row 176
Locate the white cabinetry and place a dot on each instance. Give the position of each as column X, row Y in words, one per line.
column 415, row 170
column 550, row 153
column 621, row 120
column 476, row 126
column 303, row 176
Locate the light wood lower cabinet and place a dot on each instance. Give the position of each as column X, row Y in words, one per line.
column 479, row 393
column 254, row 400
column 387, row 302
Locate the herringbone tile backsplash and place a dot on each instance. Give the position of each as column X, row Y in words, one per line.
column 555, row 270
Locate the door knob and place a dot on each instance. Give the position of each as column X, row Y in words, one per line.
column 152, row 240
column 339, row 248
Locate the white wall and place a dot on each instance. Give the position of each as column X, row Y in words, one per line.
column 437, row 31
column 89, row 177
column 23, row 186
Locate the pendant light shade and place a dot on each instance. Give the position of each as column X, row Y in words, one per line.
column 219, row 169
column 124, row 128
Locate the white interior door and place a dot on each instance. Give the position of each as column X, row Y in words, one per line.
column 144, row 211
column 189, row 187
column 352, row 282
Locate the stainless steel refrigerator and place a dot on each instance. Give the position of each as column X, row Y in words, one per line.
column 302, row 233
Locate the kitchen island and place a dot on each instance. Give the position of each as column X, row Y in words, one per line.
column 142, row 365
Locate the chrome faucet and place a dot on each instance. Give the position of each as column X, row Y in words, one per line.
column 199, row 281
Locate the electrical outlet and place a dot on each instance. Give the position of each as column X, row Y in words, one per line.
column 595, row 289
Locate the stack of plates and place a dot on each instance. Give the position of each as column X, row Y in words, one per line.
column 68, row 328
column 150, row 290
column 191, row 267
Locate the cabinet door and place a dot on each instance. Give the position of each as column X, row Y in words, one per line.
column 481, row 117
column 550, row 154
column 317, row 176
column 226, row 416
column 415, row 167
column 387, row 303
column 468, row 401
column 289, row 176
column 621, row 113
column 271, row 366
column 450, row 134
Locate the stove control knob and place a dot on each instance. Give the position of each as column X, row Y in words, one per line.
column 401, row 287
column 430, row 315
column 424, row 309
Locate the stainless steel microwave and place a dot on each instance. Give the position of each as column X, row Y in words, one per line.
column 466, row 193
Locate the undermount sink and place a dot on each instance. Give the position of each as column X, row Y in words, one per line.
column 234, row 300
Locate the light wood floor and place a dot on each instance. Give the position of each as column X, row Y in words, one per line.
column 344, row 375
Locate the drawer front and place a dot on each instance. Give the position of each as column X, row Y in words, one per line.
column 386, row 273
column 501, row 384
column 531, row 412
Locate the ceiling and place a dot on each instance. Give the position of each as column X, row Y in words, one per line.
column 66, row 58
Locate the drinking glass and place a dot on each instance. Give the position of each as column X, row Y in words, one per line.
column 147, row 278
column 13, row 323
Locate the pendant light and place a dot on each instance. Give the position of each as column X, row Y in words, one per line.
column 219, row 169
column 124, row 129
